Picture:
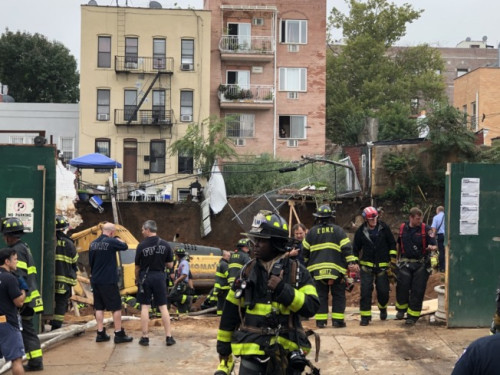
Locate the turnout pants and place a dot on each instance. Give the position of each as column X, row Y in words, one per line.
column 368, row 277
column 337, row 289
column 221, row 299
column 410, row 289
column 61, row 305
column 31, row 342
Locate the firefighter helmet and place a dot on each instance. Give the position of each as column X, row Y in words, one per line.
column 242, row 243
column 370, row 213
column 12, row 226
column 271, row 226
column 324, row 211
column 61, row 222
column 180, row 252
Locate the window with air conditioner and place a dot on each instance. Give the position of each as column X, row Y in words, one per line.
column 159, row 53
column 187, row 54
column 258, row 21
column 293, row 127
column 104, row 51
column 293, row 79
column 240, row 125
column 293, row 31
column 103, row 103
column 157, row 156
column 292, row 143
column 131, row 52
column 183, row 194
column 186, row 114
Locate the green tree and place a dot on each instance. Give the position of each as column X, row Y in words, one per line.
column 368, row 78
column 205, row 150
column 37, row 70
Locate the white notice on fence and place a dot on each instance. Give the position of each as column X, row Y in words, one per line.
column 22, row 208
column 469, row 207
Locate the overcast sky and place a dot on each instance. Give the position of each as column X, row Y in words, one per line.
column 444, row 23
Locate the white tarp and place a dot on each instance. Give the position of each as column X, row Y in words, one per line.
column 66, row 195
column 216, row 190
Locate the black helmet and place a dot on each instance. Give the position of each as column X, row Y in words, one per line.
column 12, row 226
column 242, row 243
column 272, row 226
column 324, row 211
column 180, row 252
column 61, row 222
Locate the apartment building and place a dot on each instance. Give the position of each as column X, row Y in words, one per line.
column 145, row 76
column 477, row 94
column 268, row 71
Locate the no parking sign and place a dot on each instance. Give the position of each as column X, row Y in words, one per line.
column 22, row 208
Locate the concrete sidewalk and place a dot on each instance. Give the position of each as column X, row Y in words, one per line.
column 386, row 348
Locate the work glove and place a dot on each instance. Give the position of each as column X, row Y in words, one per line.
column 391, row 275
column 434, row 259
column 275, row 283
column 23, row 285
column 353, row 267
column 226, row 364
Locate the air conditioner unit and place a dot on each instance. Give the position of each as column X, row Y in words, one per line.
column 165, row 121
column 103, row 117
column 130, row 65
column 239, row 142
column 258, row 21
column 292, row 95
column 293, row 48
column 187, row 66
column 186, row 118
column 293, row 143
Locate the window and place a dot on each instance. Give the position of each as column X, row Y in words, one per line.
column 187, row 106
column 130, row 105
column 103, row 104
column 473, row 117
column 240, row 36
column 187, row 52
column 131, row 52
column 294, row 31
column 157, row 157
column 293, row 79
column 240, row 125
column 292, row 127
column 159, row 53
column 461, row 72
column 183, row 194
column 104, row 52
column 103, row 146
column 66, row 146
column 185, row 162
column 20, row 139
column 158, row 106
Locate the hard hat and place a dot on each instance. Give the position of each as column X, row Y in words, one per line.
column 324, row 211
column 242, row 243
column 61, row 222
column 12, row 225
column 370, row 213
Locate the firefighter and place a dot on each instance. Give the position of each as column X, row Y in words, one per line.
column 66, row 258
column 12, row 230
column 328, row 254
column 495, row 324
column 416, row 251
column 179, row 294
column 375, row 247
column 238, row 259
column 261, row 317
column 221, row 287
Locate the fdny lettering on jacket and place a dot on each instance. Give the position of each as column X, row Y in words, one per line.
column 147, row 251
column 99, row 246
column 322, row 230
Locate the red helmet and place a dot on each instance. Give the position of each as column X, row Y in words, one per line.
column 370, row 213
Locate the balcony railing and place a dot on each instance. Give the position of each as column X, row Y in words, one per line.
column 246, row 45
column 138, row 64
column 247, row 94
column 147, row 117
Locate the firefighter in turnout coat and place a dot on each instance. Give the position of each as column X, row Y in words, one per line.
column 221, row 286
column 375, row 247
column 261, row 317
column 328, row 254
column 66, row 259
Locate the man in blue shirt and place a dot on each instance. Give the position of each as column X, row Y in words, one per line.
column 438, row 227
column 104, row 281
column 178, row 295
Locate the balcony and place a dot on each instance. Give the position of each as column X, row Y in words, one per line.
column 241, row 48
column 144, row 117
column 249, row 97
column 136, row 64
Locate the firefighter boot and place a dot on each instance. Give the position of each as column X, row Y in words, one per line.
column 102, row 336
column 225, row 366
column 400, row 315
column 383, row 314
column 121, row 337
column 338, row 323
column 365, row 320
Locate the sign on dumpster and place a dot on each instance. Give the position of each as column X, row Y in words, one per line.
column 22, row 208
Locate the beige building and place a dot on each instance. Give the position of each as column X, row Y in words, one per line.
column 268, row 73
column 478, row 94
column 145, row 75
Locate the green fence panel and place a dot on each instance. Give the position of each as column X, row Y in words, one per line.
column 473, row 240
column 28, row 191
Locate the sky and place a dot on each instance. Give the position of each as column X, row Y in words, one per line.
column 444, row 23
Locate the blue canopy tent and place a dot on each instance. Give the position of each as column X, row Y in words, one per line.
column 94, row 161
